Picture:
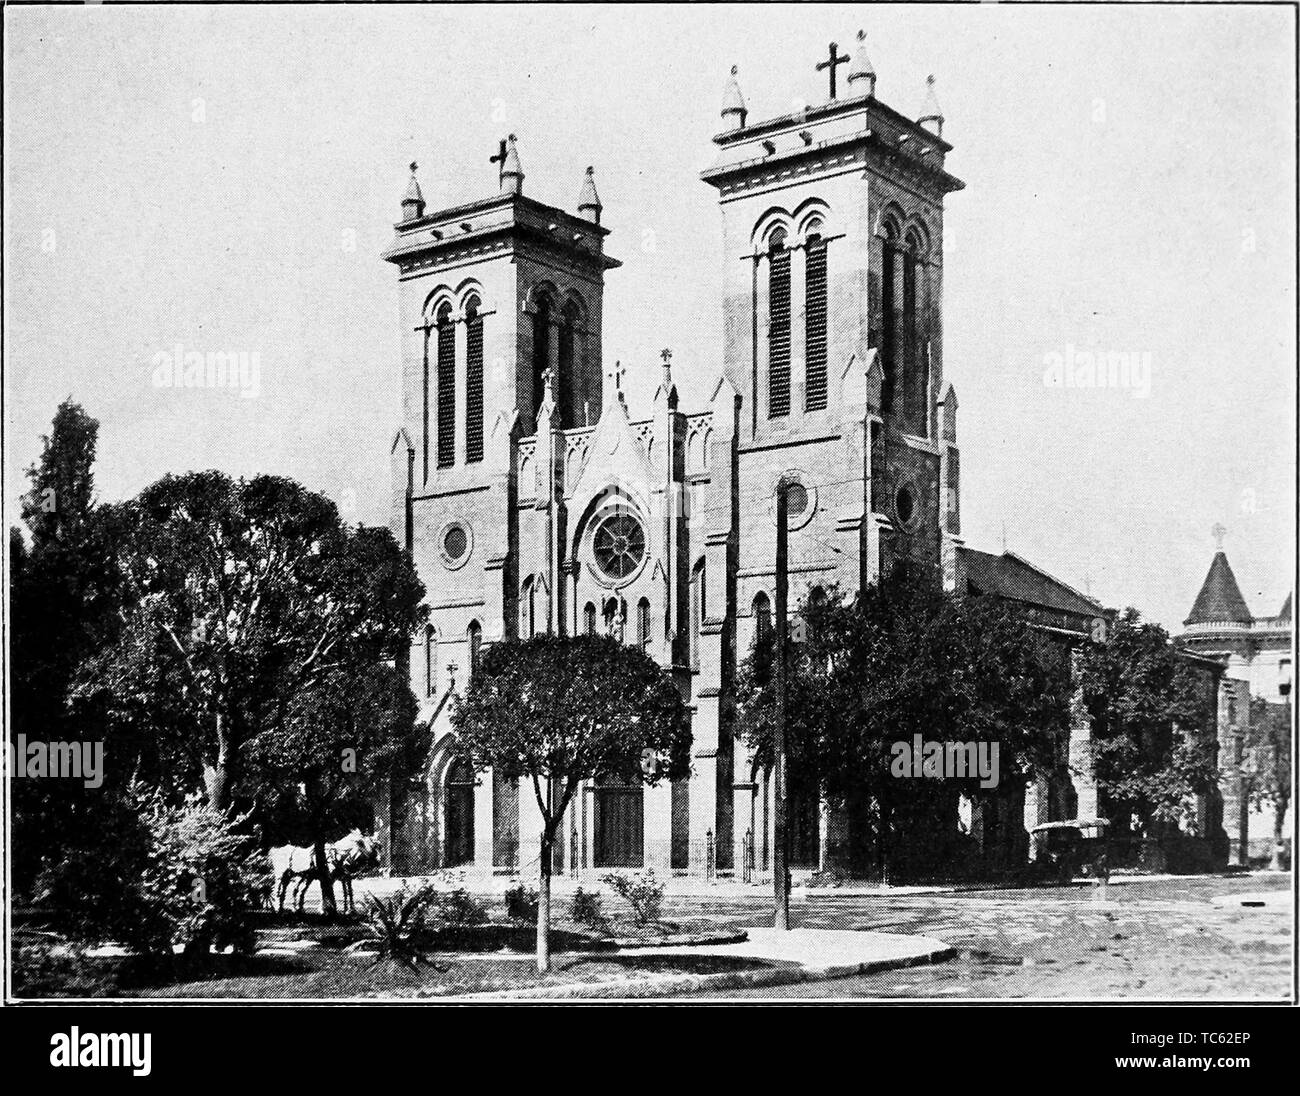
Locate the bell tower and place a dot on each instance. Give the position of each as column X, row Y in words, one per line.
column 832, row 224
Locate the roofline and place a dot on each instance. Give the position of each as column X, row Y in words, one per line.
column 1038, row 570
column 828, row 110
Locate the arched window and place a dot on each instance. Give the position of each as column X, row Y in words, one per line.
column 643, row 624
column 569, row 363
column 912, row 349
column 778, row 326
column 528, row 609
column 473, row 381
column 816, row 604
column 425, row 408
column 446, row 388
column 697, row 612
column 589, row 619
column 475, row 646
column 889, row 319
column 430, row 660
column 541, row 354
column 762, row 629
column 815, row 324
column 615, row 614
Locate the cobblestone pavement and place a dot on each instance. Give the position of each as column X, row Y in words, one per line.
column 1149, row 941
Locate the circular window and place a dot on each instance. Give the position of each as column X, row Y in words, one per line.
column 800, row 501
column 456, row 544
column 619, row 546
column 905, row 506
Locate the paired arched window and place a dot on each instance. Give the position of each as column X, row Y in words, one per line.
column 815, row 323
column 902, row 338
column 643, row 624
column 778, row 326
column 528, row 609
column 698, row 603
column 589, row 619
column 541, row 353
column 473, row 381
column 430, row 661
column 762, row 629
column 475, row 637
column 445, row 340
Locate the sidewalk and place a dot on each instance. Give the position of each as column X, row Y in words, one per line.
column 803, row 955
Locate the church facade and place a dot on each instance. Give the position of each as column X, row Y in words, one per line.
column 533, row 499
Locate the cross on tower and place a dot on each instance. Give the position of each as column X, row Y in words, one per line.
column 667, row 356
column 500, row 157
column 1218, row 532
column 832, row 62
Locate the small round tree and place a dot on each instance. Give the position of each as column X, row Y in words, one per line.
column 556, row 711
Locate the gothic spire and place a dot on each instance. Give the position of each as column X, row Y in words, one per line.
column 589, row 206
column 413, row 201
column 512, row 175
column 931, row 116
column 862, row 76
column 733, row 103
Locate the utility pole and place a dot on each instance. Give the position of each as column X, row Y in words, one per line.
column 780, row 872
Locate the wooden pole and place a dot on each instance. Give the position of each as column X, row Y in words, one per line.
column 780, row 871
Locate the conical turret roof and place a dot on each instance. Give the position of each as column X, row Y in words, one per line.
column 1220, row 597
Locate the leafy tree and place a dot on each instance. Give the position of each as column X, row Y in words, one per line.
column 62, row 594
column 328, row 746
column 240, row 599
column 901, row 659
column 560, row 710
column 1269, row 745
column 1151, row 714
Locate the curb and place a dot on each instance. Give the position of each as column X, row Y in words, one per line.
column 668, row 986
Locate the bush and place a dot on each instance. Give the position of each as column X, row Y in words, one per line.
column 641, row 890
column 586, row 909
column 396, row 923
column 170, row 875
column 42, row 968
column 521, row 904
column 458, row 909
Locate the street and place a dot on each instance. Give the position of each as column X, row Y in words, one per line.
column 1150, row 940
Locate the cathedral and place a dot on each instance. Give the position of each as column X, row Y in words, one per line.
column 532, row 498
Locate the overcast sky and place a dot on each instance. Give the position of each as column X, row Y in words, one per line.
column 226, row 178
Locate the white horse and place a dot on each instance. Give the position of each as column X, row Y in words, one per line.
column 344, row 858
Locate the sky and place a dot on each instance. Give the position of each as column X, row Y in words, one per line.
column 225, row 179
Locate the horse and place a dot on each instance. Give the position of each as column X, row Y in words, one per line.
column 344, row 858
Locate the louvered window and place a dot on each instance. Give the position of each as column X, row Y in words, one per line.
column 473, row 384
column 446, row 389
column 888, row 333
column 815, row 319
column 778, row 328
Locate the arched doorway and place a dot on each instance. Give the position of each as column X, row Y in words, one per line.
column 458, row 846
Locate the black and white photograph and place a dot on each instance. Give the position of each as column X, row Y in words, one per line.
column 745, row 504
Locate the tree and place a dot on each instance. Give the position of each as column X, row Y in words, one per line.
column 62, row 595
column 328, row 746
column 902, row 659
column 1152, row 751
column 1269, row 746
column 560, row 710
column 240, row 597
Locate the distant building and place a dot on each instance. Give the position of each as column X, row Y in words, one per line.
column 1256, row 655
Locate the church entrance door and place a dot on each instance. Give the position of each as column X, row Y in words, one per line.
column 619, row 826
column 459, row 844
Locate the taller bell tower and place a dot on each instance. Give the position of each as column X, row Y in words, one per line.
column 832, row 224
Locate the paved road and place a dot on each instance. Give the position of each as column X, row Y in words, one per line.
column 1150, row 941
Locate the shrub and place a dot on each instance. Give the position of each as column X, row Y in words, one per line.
column 641, row 890
column 42, row 968
column 396, row 923
column 521, row 904
column 458, row 909
column 586, row 909
column 169, row 875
